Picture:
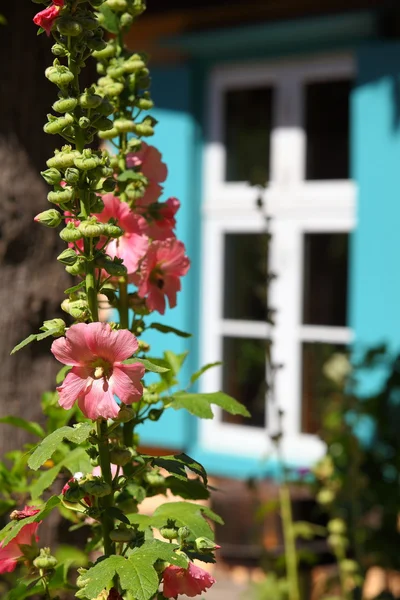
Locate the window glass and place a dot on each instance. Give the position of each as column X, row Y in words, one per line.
column 244, row 378
column 325, row 279
column 247, row 126
column 245, row 276
column 327, row 129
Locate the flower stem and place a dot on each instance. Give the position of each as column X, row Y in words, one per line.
column 107, row 522
column 290, row 541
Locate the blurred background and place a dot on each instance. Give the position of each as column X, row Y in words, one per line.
column 280, row 126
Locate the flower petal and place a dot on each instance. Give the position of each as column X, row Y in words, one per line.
column 99, row 401
column 111, row 345
column 74, row 386
column 126, row 384
column 73, row 349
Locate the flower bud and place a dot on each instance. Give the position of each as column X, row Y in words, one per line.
column 124, row 125
column 154, row 479
column 170, row 532
column 126, row 20
column 62, row 196
column 90, row 100
column 49, row 218
column 78, row 268
column 57, row 324
column 59, row 50
column 91, row 228
column 108, row 52
column 134, row 144
column 115, row 72
column 78, row 309
column 137, row 7
column 84, row 122
column 183, row 532
column 204, row 544
column 58, row 124
column 96, row 487
column 134, row 64
column 59, row 74
column 120, row 456
column 155, row 414
column 68, row 257
column 88, row 23
column 135, row 190
column 117, row 5
column 45, row 560
column 51, row 176
column 144, row 103
column 87, row 160
column 122, row 534
column 72, row 175
column 109, row 184
column 349, row 566
column 114, row 267
column 63, row 159
column 82, row 579
column 145, row 128
column 104, row 124
column 108, row 134
column 337, row 542
column 68, row 26
column 74, row 492
column 113, row 231
column 70, row 233
column 337, row 526
column 65, row 105
column 96, row 43
column 325, row 496
column 125, row 414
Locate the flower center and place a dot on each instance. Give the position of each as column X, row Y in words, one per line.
column 157, row 278
column 101, row 368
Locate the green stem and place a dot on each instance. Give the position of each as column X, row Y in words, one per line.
column 290, row 542
column 107, row 522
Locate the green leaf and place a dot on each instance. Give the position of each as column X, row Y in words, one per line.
column 25, row 342
column 186, row 513
column 117, row 514
column 192, row 489
column 166, row 329
column 110, row 22
column 74, row 461
column 131, row 175
column 200, row 404
column 49, row 445
column 40, row 31
column 12, row 529
column 175, row 360
column 178, row 464
column 29, row 426
column 48, row 333
column 200, row 372
column 62, row 373
column 75, row 288
column 147, row 364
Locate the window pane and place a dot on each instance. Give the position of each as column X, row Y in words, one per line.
column 247, row 126
column 325, row 279
column 316, row 386
column 244, row 378
column 327, row 130
column 245, row 276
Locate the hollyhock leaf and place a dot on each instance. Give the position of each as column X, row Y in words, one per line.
column 149, row 366
column 51, row 443
column 187, row 514
column 200, row 404
column 178, row 464
column 45, row 334
column 30, row 427
column 154, row 550
column 167, row 329
column 175, row 360
column 62, row 374
column 200, row 372
column 191, row 489
column 110, row 19
column 75, row 460
column 25, row 342
column 11, row 530
column 75, row 288
column 40, row 31
column 129, row 175
column 117, row 514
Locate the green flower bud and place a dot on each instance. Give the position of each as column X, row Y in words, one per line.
column 74, row 492
column 109, row 134
column 49, row 218
column 100, row 68
column 183, row 532
column 117, row 5
column 170, row 532
column 337, row 526
column 62, row 196
column 134, row 64
column 137, row 7
column 70, row 233
column 160, row 565
column 82, row 579
column 120, row 456
column 144, row 103
column 68, row 257
column 124, row 125
column 86, row 160
column 104, row 124
column 154, row 478
column 109, row 185
column 204, row 544
column 114, row 267
column 90, row 100
column 58, row 124
column 115, row 72
column 72, row 175
column 325, row 497
column 59, row 50
column 126, row 20
column 96, row 487
column 337, row 542
column 155, row 414
column 51, row 176
column 91, row 228
column 78, row 309
column 63, row 159
column 64, row 105
column 108, row 52
column 68, row 26
column 57, row 324
column 144, row 82
column 84, row 122
column 114, row 89
column 349, row 566
column 113, row 231
column 78, row 268
column 96, row 43
column 45, row 560
column 59, row 74
column 143, row 346
column 134, row 144
column 135, row 190
column 125, row 414
column 88, row 23
column 122, row 534
column 146, row 127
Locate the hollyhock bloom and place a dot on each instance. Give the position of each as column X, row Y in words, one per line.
column 11, row 553
column 97, row 471
column 133, row 244
column 28, row 511
column 191, row 581
column 45, row 18
column 160, row 221
column 148, row 159
column 160, row 272
column 95, row 353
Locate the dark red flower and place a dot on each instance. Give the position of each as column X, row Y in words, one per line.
column 45, row 18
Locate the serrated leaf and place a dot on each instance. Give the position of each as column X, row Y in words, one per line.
column 178, row 464
column 25, row 342
column 167, row 329
column 154, row 550
column 149, row 366
column 175, row 360
column 200, row 372
column 75, row 288
column 62, row 374
column 110, row 22
column 12, row 529
column 49, row 445
column 200, row 404
column 29, row 426
column 189, row 514
column 192, row 489
column 72, row 461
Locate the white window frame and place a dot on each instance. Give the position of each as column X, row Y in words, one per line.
column 297, row 207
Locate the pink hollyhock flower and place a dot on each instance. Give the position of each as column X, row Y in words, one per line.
column 148, row 159
column 45, row 18
column 11, row 553
column 160, row 272
column 97, row 471
column 28, row 511
column 132, row 245
column 191, row 581
column 95, row 353
column 160, row 220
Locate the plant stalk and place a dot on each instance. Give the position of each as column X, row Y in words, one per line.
column 107, row 522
